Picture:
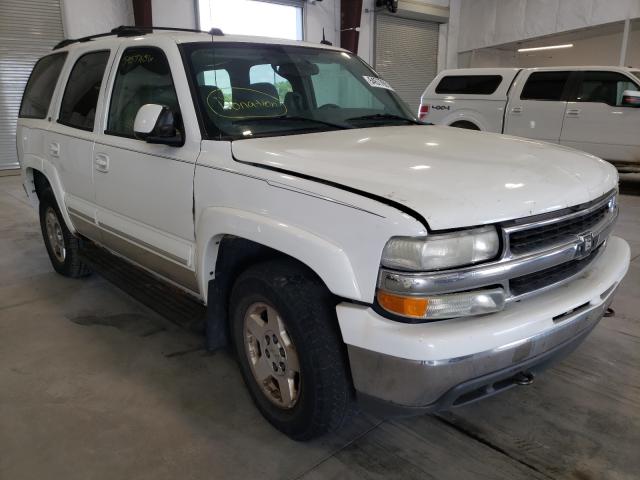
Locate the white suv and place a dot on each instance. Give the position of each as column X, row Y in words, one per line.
column 346, row 250
column 595, row 109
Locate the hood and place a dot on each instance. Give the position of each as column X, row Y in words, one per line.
column 452, row 177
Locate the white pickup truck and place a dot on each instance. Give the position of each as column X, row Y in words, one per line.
column 594, row 109
column 348, row 251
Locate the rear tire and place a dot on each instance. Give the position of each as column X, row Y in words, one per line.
column 288, row 345
column 62, row 246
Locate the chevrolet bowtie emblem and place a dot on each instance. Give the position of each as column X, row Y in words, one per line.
column 586, row 243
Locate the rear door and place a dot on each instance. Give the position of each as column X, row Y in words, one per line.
column 537, row 105
column 597, row 121
column 69, row 142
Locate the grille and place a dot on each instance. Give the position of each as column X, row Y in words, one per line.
column 549, row 276
column 537, row 238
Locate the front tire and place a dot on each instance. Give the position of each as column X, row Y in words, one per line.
column 62, row 246
column 289, row 348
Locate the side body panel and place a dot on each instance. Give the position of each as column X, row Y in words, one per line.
column 311, row 222
column 608, row 131
column 537, row 119
column 484, row 111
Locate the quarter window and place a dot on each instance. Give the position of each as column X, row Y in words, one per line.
column 604, row 87
column 40, row 87
column 469, row 84
column 545, row 86
column 80, row 98
column 143, row 77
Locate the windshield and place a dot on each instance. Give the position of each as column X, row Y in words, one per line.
column 250, row 90
column 636, row 73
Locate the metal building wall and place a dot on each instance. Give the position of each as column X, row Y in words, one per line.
column 406, row 54
column 28, row 30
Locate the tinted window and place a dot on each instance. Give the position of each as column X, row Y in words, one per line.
column 545, row 86
column 80, row 98
column 604, row 87
column 143, row 77
column 469, row 84
column 266, row 74
column 273, row 90
column 37, row 95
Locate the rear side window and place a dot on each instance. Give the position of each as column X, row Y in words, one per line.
column 80, row 98
column 37, row 95
column 545, row 86
column 604, row 87
column 469, row 84
column 143, row 77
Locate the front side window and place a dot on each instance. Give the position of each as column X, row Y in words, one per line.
column 270, row 90
column 604, row 87
column 80, row 98
column 469, row 84
column 42, row 82
column 143, row 77
column 547, row 86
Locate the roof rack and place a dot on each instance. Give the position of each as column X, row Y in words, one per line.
column 132, row 31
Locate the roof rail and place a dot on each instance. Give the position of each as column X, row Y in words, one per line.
column 132, row 31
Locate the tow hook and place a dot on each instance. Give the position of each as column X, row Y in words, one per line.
column 523, row 378
column 609, row 312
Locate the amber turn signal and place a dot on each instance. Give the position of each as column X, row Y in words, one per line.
column 415, row 307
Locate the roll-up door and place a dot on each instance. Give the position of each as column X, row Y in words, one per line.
column 28, row 30
column 406, row 54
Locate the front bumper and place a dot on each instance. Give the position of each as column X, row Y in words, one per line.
column 410, row 368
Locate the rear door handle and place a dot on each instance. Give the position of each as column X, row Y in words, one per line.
column 573, row 112
column 517, row 110
column 102, row 162
column 54, row 149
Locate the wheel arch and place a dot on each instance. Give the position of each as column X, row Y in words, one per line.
column 231, row 240
column 39, row 175
column 218, row 226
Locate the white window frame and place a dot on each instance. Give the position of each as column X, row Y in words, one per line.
column 291, row 3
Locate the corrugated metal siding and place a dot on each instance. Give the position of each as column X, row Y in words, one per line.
column 406, row 55
column 28, row 30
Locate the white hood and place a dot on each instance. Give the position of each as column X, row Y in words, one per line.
column 453, row 178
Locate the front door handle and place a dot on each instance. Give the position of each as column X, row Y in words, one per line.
column 54, row 149
column 517, row 110
column 102, row 162
column 573, row 112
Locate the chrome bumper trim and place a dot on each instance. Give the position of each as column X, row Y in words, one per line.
column 424, row 384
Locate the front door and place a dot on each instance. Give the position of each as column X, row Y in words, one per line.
column 537, row 106
column 598, row 122
column 144, row 192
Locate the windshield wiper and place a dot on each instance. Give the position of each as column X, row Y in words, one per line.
column 296, row 119
column 384, row 116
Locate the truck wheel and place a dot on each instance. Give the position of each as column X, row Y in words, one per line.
column 466, row 125
column 291, row 355
column 62, row 246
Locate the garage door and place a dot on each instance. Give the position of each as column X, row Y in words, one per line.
column 406, row 55
column 28, row 30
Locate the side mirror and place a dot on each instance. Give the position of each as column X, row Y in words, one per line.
column 157, row 124
column 631, row 98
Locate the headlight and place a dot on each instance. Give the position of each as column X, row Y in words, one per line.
column 440, row 251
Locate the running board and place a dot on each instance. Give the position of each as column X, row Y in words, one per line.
column 171, row 302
